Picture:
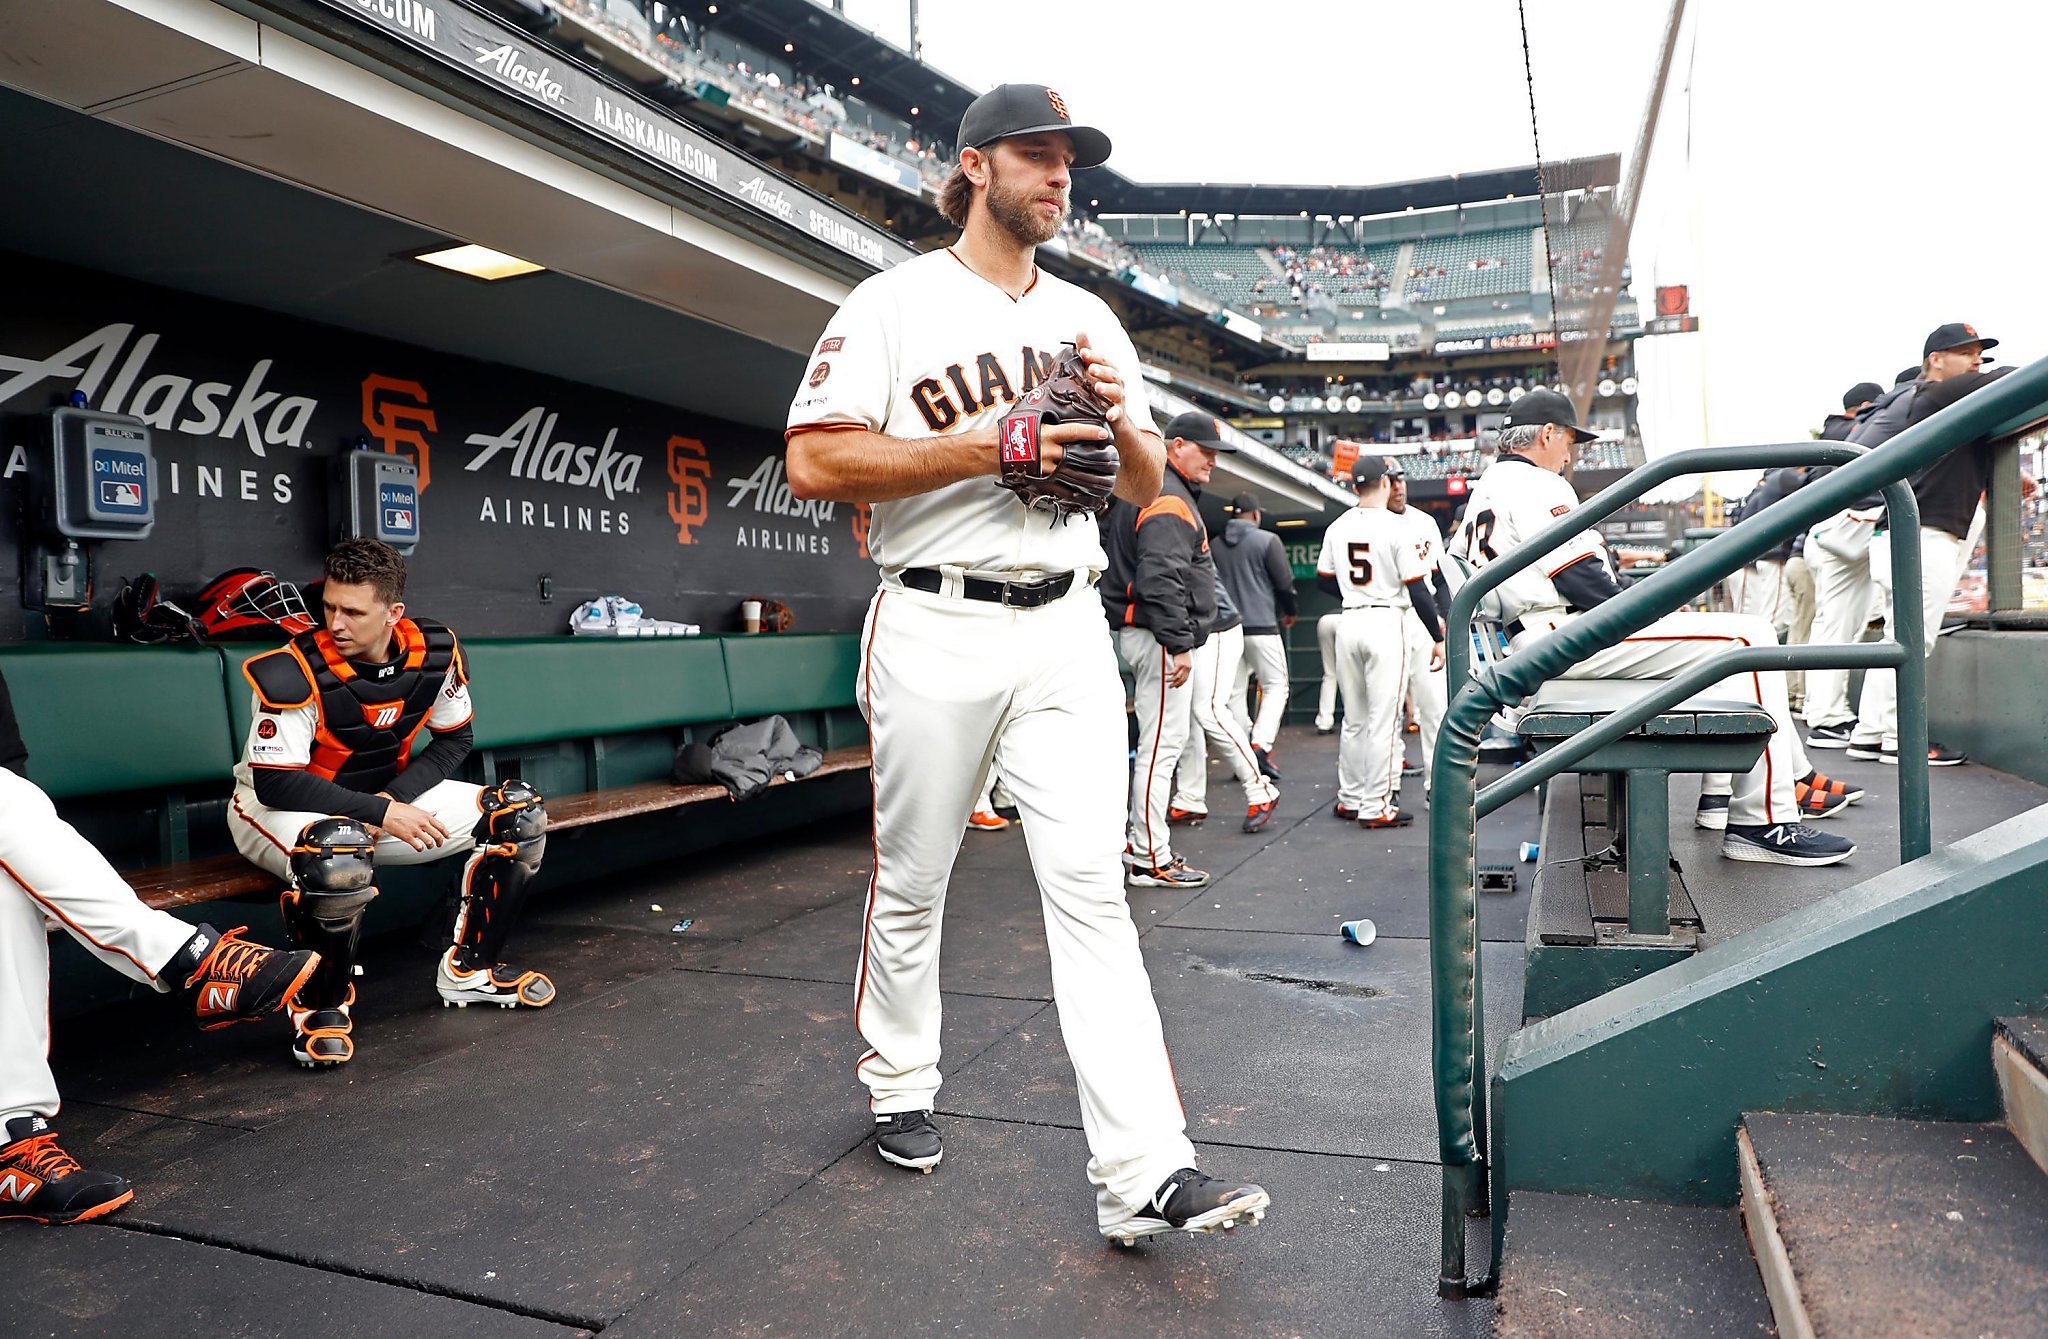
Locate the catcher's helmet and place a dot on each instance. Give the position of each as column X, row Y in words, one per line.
column 248, row 597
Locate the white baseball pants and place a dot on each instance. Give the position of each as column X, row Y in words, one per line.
column 1942, row 558
column 1164, row 713
column 47, row 868
column 266, row 836
column 1677, row 641
column 1844, row 597
column 1799, row 590
column 1372, row 660
column 1760, row 592
column 1265, row 656
column 950, row 686
column 1326, row 696
column 1425, row 687
column 1218, row 663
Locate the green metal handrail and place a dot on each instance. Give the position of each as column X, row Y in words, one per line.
column 1996, row 411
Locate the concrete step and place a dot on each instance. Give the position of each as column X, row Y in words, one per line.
column 2019, row 1055
column 1865, row 1226
column 1590, row 1268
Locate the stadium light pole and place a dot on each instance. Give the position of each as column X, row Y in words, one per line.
column 1579, row 365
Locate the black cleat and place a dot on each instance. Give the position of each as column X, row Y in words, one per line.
column 1256, row 817
column 909, row 1139
column 232, row 980
column 41, row 1182
column 1265, row 757
column 1189, row 1201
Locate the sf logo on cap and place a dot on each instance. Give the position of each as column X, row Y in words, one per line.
column 1059, row 105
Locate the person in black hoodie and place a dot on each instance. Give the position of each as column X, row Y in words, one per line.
column 1159, row 592
column 1255, row 570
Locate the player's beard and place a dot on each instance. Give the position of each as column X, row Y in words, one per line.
column 1017, row 213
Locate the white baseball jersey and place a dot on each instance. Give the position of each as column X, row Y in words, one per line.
column 1428, row 540
column 1373, row 554
column 285, row 738
column 931, row 348
column 1512, row 502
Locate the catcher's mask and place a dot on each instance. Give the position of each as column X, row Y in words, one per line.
column 247, row 598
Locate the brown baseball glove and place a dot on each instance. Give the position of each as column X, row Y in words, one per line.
column 1080, row 484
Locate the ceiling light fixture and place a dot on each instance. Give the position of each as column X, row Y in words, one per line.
column 478, row 262
column 1292, row 522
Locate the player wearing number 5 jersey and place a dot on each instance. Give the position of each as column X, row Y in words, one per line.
column 985, row 646
column 1524, row 492
column 1371, row 561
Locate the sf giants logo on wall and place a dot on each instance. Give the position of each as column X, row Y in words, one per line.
column 863, row 516
column 395, row 413
column 689, row 501
column 381, row 715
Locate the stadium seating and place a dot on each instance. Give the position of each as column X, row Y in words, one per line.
column 1468, row 265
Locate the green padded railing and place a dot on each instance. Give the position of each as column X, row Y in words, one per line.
column 1997, row 411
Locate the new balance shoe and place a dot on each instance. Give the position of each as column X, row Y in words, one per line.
column 1173, row 875
column 323, row 1038
column 1256, row 817
column 232, row 980
column 1830, row 736
column 1391, row 817
column 981, row 820
column 1818, row 803
column 1869, row 751
column 909, row 1139
column 1186, row 818
column 1784, row 844
column 1712, row 813
column 1190, row 1201
column 39, row 1181
column 1265, row 757
column 461, row 983
column 1814, row 780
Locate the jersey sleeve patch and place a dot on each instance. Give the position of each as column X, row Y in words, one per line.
column 1560, row 511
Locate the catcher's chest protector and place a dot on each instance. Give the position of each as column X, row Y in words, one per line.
column 367, row 724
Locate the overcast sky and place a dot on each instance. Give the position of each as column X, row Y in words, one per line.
column 1832, row 179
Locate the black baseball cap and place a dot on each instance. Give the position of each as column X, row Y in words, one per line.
column 1910, row 374
column 1242, row 503
column 1953, row 336
column 1394, row 470
column 1539, row 408
column 1028, row 109
column 1369, row 469
column 1201, row 429
column 1860, row 392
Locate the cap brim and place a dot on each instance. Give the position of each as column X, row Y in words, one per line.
column 1580, row 435
column 1091, row 146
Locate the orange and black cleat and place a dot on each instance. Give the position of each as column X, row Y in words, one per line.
column 232, row 980
column 1187, row 818
column 39, row 1181
column 1259, row 815
column 1387, row 818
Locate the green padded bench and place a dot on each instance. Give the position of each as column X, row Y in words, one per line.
column 1700, row 734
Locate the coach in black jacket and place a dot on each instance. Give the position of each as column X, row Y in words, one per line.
column 1159, row 592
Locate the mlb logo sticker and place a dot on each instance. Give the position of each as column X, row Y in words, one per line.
column 382, row 715
column 1020, row 441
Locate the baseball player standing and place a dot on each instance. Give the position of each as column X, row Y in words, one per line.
column 984, row 643
column 1517, row 497
column 1255, row 570
column 1370, row 562
column 1424, row 676
column 1326, row 692
column 46, row 868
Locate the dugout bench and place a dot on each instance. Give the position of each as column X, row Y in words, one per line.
column 137, row 745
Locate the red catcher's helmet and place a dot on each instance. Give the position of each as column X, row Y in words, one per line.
column 247, row 598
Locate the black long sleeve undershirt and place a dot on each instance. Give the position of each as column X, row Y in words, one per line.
column 1425, row 608
column 296, row 790
column 1585, row 584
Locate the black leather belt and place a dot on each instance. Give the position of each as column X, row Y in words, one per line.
column 1009, row 594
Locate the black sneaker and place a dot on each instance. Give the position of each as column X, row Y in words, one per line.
column 1265, row 757
column 909, row 1139
column 1174, row 875
column 1343, row 811
column 1938, row 755
column 232, row 980
column 1830, row 736
column 41, row 1182
column 1784, row 844
column 1872, row 751
column 1712, row 813
column 1393, row 816
column 1189, row 1201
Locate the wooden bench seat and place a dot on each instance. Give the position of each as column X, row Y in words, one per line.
column 221, row 877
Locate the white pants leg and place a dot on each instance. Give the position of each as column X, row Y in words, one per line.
column 1426, row 689
column 1371, row 656
column 47, row 867
column 1164, row 716
column 1799, row 594
column 1843, row 598
column 1764, row 595
column 266, row 835
column 1677, row 641
column 1215, row 727
column 947, row 685
column 1326, row 696
column 1237, row 693
column 1942, row 556
column 1266, row 654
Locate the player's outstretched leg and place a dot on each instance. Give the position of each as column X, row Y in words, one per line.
column 233, row 980
column 39, row 1181
column 511, row 837
column 333, row 869
column 1190, row 1201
